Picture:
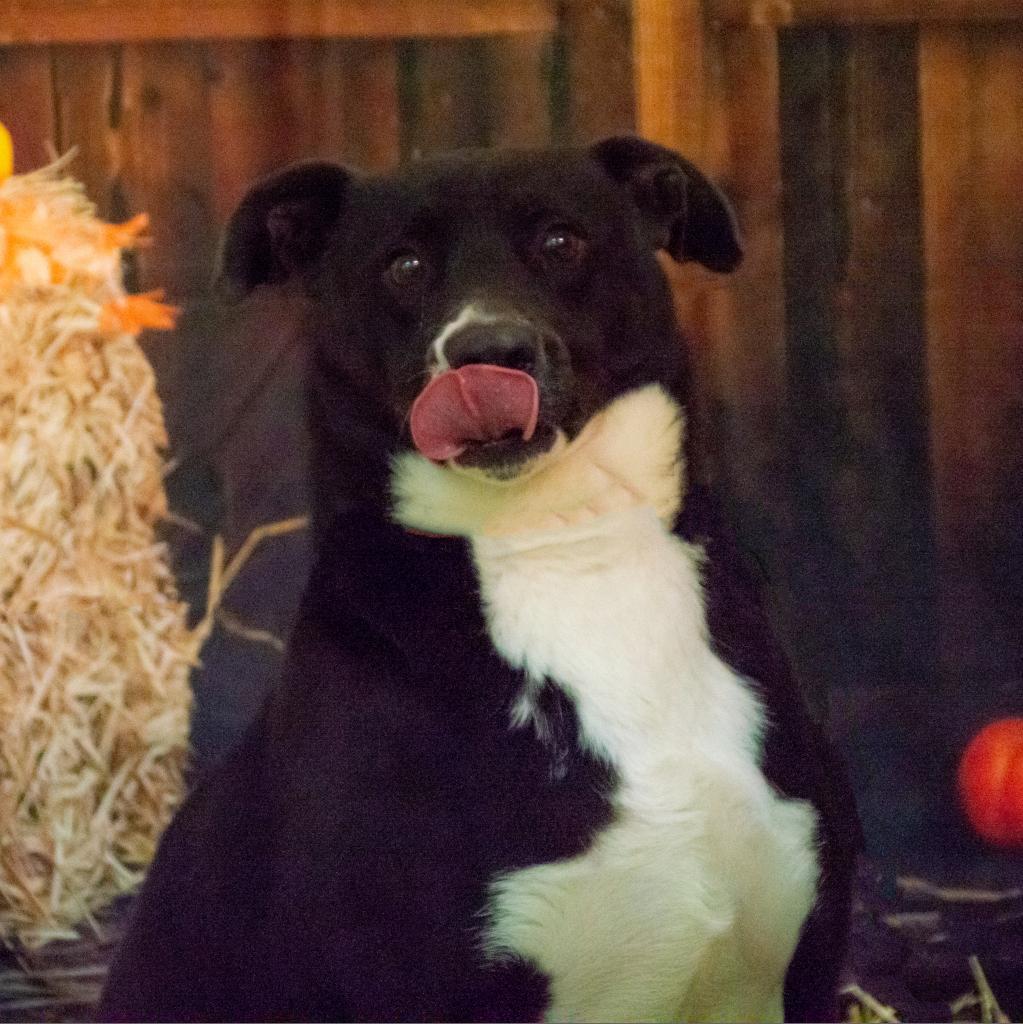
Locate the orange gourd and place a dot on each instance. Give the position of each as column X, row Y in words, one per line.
column 991, row 782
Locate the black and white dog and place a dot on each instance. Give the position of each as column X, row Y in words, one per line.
column 535, row 754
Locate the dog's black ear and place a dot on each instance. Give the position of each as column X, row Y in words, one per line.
column 280, row 227
column 684, row 212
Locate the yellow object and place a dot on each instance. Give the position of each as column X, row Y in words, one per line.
column 6, row 153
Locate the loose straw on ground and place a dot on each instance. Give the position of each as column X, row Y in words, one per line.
column 865, row 1009
column 990, row 1011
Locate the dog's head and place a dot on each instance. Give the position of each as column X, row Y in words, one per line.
column 481, row 307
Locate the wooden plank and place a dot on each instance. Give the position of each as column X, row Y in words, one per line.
column 668, row 57
column 741, row 361
column 265, row 112
column 369, row 81
column 678, row 94
column 831, row 645
column 704, row 301
column 671, row 81
column 26, row 105
column 102, row 21
column 519, row 96
column 167, row 164
column 166, row 171
column 86, row 85
column 596, row 39
column 750, row 109
column 747, row 352
column 862, row 12
column 882, row 497
column 673, row 73
column 277, row 101
column 971, row 93
column 447, row 100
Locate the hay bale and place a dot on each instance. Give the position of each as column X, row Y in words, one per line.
column 94, row 646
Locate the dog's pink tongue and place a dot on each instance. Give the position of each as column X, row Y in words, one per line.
column 471, row 404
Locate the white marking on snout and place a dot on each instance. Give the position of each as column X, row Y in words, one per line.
column 469, row 314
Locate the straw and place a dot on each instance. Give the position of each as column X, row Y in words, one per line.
column 94, row 648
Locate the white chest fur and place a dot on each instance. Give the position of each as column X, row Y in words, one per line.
column 689, row 905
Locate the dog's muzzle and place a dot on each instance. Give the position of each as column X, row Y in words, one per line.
column 474, row 405
column 488, row 403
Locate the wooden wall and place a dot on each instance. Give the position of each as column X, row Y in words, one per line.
column 863, row 372
column 860, row 378
column 176, row 107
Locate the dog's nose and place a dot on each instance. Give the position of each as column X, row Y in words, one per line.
column 505, row 343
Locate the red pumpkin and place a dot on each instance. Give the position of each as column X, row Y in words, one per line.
column 991, row 782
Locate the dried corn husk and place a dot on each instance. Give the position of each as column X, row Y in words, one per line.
column 94, row 646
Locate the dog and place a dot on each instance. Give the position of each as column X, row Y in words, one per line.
column 535, row 753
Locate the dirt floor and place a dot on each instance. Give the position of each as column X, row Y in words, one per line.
column 910, row 952
column 912, row 942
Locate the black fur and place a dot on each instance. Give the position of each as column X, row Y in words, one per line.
column 335, row 866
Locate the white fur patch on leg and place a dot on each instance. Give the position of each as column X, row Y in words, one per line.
column 689, row 904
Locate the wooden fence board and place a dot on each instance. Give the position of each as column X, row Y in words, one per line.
column 265, row 112
column 596, row 37
column 279, row 101
column 668, row 56
column 468, row 93
column 167, row 142
column 749, row 362
column 167, row 172
column 705, row 302
column 817, row 434
column 881, row 497
column 26, row 105
column 752, row 362
column 368, row 82
column 447, row 102
column 861, row 540
column 863, row 12
column 87, row 93
column 971, row 87
column 520, row 102
column 672, row 103
column 678, row 97
column 100, row 21
column 740, row 357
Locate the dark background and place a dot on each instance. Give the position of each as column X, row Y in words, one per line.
column 859, row 379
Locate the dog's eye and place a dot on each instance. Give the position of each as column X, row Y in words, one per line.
column 406, row 269
column 561, row 245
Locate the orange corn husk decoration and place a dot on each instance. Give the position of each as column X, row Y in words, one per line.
column 135, row 313
column 128, row 233
column 49, row 235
